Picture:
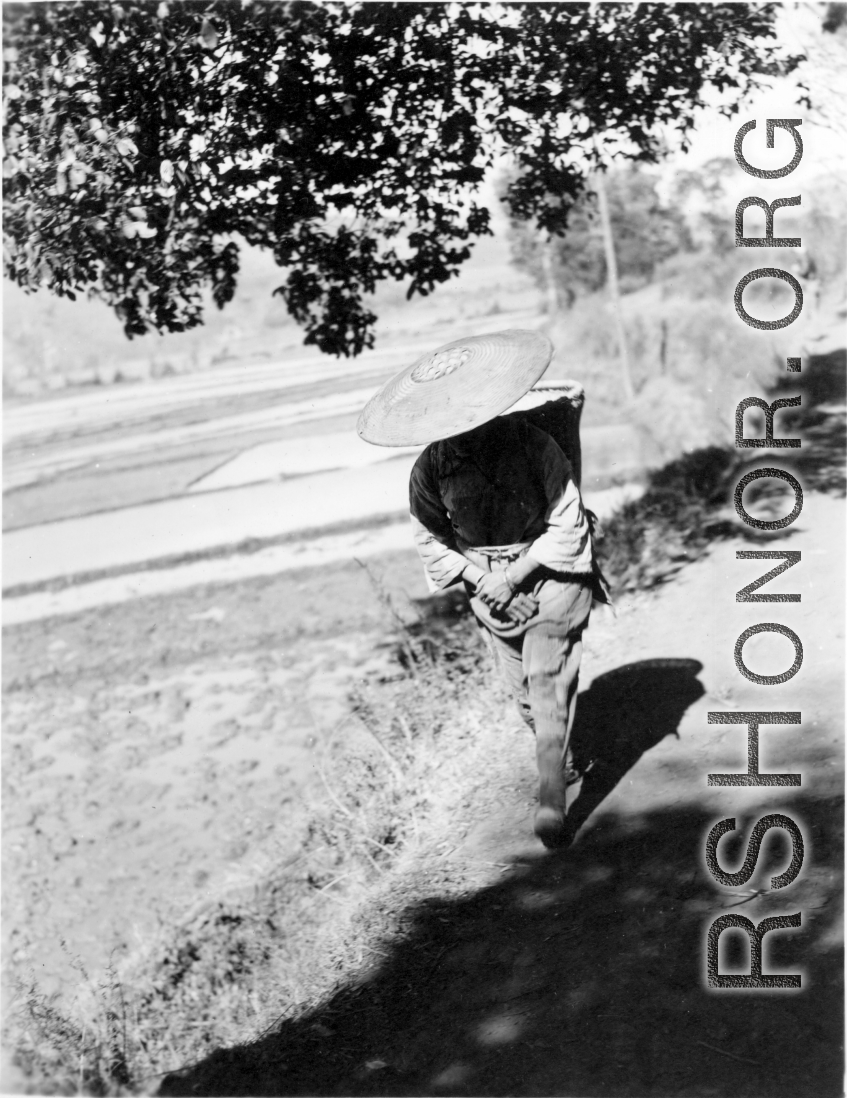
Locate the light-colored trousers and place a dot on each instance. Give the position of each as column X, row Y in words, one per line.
column 541, row 668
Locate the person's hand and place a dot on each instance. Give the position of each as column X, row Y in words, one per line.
column 522, row 607
column 495, row 590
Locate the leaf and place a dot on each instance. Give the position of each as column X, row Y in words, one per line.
column 129, row 229
column 126, row 147
column 166, row 170
column 138, row 212
column 145, row 231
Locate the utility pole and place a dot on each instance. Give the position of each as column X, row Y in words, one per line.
column 612, row 282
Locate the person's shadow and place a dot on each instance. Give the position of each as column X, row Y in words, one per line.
column 623, row 714
column 578, row 973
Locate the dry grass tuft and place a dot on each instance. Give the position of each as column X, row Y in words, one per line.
column 391, row 773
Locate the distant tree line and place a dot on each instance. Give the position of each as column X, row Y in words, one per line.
column 645, row 233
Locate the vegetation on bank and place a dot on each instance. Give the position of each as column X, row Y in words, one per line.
column 392, row 774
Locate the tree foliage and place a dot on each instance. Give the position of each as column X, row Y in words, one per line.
column 820, row 224
column 645, row 232
column 705, row 190
column 144, row 139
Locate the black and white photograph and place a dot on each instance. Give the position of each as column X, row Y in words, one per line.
column 424, row 548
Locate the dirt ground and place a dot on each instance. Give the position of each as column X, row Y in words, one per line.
column 158, row 751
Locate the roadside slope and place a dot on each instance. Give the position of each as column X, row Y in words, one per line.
column 502, row 969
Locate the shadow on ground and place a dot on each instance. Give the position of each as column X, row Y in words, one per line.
column 623, row 714
column 582, row 972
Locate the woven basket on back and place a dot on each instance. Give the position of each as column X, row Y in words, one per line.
column 559, row 416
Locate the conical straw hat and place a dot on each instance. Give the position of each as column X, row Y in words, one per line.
column 455, row 388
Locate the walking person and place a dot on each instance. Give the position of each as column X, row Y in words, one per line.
column 495, row 505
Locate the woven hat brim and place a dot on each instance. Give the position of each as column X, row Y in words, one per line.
column 458, row 386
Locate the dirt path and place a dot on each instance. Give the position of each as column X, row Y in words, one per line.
column 582, row 973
